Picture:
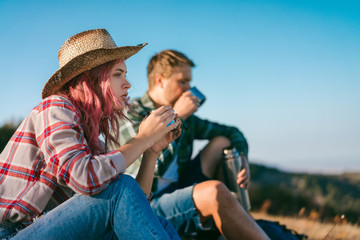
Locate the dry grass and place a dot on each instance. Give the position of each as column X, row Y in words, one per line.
column 315, row 230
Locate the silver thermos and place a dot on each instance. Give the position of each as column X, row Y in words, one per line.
column 232, row 164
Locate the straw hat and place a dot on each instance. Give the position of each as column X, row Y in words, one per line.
column 83, row 52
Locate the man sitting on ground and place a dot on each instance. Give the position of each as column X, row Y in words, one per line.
column 185, row 190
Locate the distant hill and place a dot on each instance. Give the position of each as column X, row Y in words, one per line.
column 317, row 196
column 6, row 131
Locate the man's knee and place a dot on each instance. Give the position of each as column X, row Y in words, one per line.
column 217, row 144
column 211, row 155
column 221, row 141
column 211, row 195
column 211, row 191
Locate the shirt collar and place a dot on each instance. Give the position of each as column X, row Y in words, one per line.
column 147, row 102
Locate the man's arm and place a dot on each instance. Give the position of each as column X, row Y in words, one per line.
column 205, row 129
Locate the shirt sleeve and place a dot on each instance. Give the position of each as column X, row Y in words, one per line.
column 205, row 129
column 128, row 129
column 66, row 152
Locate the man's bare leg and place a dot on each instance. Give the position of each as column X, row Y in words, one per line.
column 213, row 199
column 211, row 157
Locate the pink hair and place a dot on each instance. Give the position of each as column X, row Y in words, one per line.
column 91, row 94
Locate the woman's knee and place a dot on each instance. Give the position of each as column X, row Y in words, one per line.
column 126, row 179
column 123, row 182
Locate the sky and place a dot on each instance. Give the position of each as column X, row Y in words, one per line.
column 286, row 73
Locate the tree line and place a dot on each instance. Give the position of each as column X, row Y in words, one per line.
column 317, row 196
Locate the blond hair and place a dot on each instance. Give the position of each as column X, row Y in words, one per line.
column 164, row 62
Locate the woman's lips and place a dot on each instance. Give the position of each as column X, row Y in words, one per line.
column 125, row 98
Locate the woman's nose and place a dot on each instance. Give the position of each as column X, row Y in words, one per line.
column 127, row 84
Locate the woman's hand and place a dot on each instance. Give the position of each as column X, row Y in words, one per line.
column 157, row 125
column 169, row 138
column 146, row 171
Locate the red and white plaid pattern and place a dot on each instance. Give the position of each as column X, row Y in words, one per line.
column 47, row 159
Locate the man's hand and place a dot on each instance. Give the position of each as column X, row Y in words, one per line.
column 186, row 105
column 243, row 177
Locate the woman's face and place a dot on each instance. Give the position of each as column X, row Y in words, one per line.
column 118, row 82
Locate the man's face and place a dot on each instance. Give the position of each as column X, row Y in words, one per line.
column 176, row 84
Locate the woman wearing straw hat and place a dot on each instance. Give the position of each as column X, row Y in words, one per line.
column 57, row 181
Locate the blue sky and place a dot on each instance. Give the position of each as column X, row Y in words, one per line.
column 287, row 73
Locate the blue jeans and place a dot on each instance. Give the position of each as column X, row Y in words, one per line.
column 121, row 211
column 175, row 203
column 179, row 209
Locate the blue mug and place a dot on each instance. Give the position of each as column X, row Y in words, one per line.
column 198, row 94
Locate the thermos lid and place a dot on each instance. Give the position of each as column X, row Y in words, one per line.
column 230, row 153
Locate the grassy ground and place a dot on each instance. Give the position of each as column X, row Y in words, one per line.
column 315, row 230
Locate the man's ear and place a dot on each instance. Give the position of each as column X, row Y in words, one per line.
column 159, row 80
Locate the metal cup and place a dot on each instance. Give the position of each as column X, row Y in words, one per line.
column 198, row 94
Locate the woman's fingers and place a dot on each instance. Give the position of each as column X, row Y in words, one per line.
column 166, row 115
column 162, row 113
column 162, row 110
column 176, row 127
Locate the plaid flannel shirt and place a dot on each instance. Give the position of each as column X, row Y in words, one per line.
column 181, row 149
column 47, row 160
